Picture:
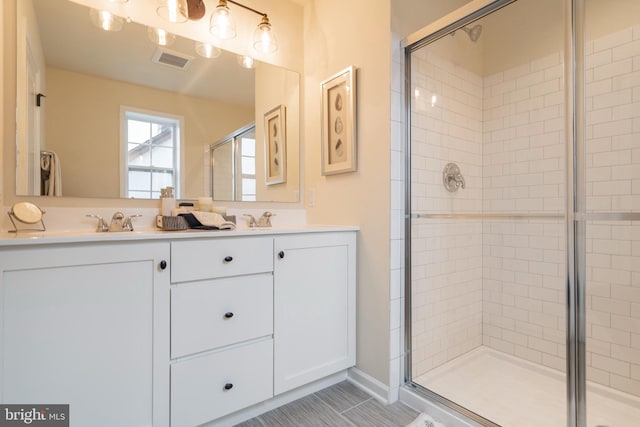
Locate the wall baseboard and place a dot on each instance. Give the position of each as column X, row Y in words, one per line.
column 379, row 391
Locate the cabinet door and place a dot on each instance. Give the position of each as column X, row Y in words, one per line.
column 314, row 307
column 87, row 326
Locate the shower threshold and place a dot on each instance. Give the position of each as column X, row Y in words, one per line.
column 513, row 392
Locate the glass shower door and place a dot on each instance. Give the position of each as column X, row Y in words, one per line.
column 487, row 217
column 609, row 196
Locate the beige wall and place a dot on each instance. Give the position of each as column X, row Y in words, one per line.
column 409, row 16
column 339, row 34
column 277, row 87
column 83, row 127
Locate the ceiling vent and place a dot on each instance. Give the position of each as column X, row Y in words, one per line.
column 172, row 59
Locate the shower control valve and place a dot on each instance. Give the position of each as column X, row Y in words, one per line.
column 452, row 178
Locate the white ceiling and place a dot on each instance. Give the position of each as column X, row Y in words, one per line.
column 71, row 42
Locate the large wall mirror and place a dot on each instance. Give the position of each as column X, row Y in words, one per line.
column 126, row 117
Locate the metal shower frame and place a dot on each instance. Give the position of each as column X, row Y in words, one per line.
column 575, row 215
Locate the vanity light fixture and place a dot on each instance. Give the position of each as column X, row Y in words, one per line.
column 264, row 39
column 174, row 11
column 105, row 20
column 223, row 27
column 207, row 50
column 160, row 37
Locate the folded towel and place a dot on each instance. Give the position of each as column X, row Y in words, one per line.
column 207, row 221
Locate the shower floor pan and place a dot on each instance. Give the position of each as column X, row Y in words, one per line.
column 513, row 392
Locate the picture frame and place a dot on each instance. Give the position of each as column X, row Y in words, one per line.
column 275, row 146
column 339, row 127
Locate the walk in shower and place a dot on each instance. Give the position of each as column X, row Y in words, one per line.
column 523, row 212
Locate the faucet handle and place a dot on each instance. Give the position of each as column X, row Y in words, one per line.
column 265, row 220
column 252, row 220
column 102, row 225
column 127, row 225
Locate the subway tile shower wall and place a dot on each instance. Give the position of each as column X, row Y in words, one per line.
column 613, row 184
column 500, row 283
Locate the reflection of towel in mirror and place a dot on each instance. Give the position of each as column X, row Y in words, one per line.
column 51, row 173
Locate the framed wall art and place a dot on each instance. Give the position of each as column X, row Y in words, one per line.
column 339, row 123
column 275, row 146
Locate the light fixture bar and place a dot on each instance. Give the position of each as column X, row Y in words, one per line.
column 257, row 12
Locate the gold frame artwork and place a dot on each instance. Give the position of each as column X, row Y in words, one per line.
column 275, row 146
column 339, row 136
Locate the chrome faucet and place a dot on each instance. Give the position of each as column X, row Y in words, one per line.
column 127, row 225
column 118, row 222
column 263, row 221
column 102, row 225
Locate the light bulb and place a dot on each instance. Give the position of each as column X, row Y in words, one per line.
column 207, row 50
column 105, row 20
column 246, row 61
column 264, row 39
column 175, row 11
column 221, row 24
column 160, row 37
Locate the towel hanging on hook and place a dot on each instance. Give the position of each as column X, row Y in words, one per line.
column 39, row 97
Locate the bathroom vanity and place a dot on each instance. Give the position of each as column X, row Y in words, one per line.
column 180, row 329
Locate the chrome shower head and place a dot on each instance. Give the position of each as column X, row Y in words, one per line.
column 473, row 33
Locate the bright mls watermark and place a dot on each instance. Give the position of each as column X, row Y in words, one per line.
column 34, row 415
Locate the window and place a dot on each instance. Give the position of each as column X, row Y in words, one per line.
column 151, row 154
column 247, row 169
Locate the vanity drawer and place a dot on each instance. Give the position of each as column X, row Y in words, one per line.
column 207, row 259
column 215, row 313
column 198, row 392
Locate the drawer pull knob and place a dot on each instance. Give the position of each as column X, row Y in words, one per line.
column 228, row 259
column 228, row 386
column 281, row 254
column 228, row 315
column 163, row 265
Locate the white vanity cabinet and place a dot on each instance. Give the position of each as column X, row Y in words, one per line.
column 314, row 307
column 171, row 329
column 87, row 325
column 221, row 327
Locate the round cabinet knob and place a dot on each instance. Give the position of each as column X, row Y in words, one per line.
column 228, row 259
column 163, row 265
column 281, row 254
column 228, row 315
column 228, row 386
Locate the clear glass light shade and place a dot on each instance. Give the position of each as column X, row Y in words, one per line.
column 264, row 39
column 105, row 20
column 207, row 50
column 222, row 24
column 160, row 37
column 175, row 11
column 246, row 61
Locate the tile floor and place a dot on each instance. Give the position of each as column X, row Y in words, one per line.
column 516, row 393
column 340, row 405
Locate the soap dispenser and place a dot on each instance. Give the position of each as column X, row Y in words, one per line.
column 168, row 201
